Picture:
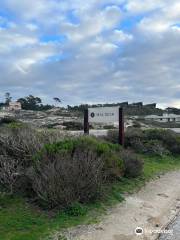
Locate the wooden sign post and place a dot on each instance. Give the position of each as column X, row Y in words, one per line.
column 86, row 122
column 121, row 126
column 105, row 115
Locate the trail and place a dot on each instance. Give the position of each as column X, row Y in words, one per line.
column 152, row 208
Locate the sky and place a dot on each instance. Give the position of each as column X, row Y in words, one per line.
column 92, row 51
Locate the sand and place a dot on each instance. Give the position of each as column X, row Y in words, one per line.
column 152, row 208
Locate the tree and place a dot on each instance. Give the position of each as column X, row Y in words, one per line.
column 30, row 102
column 2, row 104
column 8, row 98
column 33, row 103
column 57, row 100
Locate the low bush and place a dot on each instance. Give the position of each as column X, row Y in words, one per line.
column 153, row 141
column 19, row 143
column 10, row 169
column 175, row 148
column 133, row 165
column 15, row 125
column 136, row 124
column 64, row 178
column 133, row 135
column 74, row 170
column 61, row 172
column 7, row 120
column 169, row 139
column 73, row 125
column 109, row 127
column 17, row 147
column 76, row 209
column 150, row 147
column 155, row 147
column 113, row 136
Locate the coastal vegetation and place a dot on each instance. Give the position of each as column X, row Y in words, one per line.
column 49, row 181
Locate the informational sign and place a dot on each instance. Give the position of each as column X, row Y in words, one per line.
column 103, row 115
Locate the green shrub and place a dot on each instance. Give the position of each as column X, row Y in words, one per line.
column 63, row 178
column 137, row 145
column 136, row 124
column 153, row 141
column 132, row 164
column 13, row 125
column 73, row 125
column 168, row 138
column 74, row 170
column 150, row 147
column 109, row 152
column 175, row 148
column 76, row 209
column 113, row 136
column 109, row 127
column 155, row 147
column 7, row 120
column 61, row 172
column 133, row 135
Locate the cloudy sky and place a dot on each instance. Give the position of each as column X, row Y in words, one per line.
column 91, row 51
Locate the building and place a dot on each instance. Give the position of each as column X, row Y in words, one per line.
column 138, row 104
column 13, row 106
column 152, row 105
column 164, row 118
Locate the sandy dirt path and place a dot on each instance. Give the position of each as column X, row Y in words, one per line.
column 152, row 208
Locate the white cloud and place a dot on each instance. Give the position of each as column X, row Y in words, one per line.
column 139, row 6
column 32, row 27
column 155, row 25
column 104, row 58
column 163, row 19
column 34, row 55
column 91, row 26
column 10, row 40
column 30, row 9
column 98, row 48
column 119, row 36
column 172, row 11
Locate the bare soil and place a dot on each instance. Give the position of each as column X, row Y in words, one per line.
column 152, row 208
